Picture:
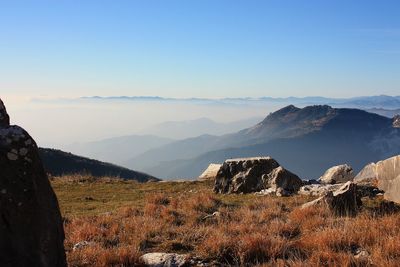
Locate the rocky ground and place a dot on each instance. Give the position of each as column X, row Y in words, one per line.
column 251, row 211
column 118, row 223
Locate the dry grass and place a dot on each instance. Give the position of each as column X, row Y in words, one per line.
column 250, row 230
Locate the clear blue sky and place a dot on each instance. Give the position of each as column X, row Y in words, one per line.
column 200, row 48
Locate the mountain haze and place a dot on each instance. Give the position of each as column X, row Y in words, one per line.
column 306, row 140
column 390, row 113
column 362, row 102
column 116, row 150
column 197, row 127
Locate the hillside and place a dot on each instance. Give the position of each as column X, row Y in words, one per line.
column 57, row 163
column 118, row 150
column 307, row 140
column 123, row 220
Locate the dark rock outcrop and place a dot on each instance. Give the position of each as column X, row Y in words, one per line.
column 4, row 118
column 249, row 175
column 31, row 229
column 345, row 201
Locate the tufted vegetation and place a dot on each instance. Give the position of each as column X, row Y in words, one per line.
column 124, row 220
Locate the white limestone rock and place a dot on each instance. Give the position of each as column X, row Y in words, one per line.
column 337, row 174
column 165, row 260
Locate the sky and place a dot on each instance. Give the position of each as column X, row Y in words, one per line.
column 199, row 48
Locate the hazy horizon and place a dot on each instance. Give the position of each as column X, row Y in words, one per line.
column 60, row 122
column 186, row 49
column 56, row 124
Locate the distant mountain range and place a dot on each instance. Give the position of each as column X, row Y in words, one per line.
column 308, row 138
column 305, row 140
column 363, row 102
column 57, row 163
column 390, row 113
column 193, row 128
column 117, row 150
column 381, row 101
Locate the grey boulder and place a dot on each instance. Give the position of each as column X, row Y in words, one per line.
column 337, row 174
column 165, row 260
column 211, row 172
column 248, row 175
column 345, row 201
column 318, row 189
column 385, row 175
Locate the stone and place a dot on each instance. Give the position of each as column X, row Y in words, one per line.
column 362, row 255
column 313, row 203
column 248, row 175
column 215, row 214
column 369, row 191
column 280, row 178
column 266, row 192
column 211, row 172
column 280, row 192
column 396, row 121
column 31, row 228
column 385, row 175
column 83, row 244
column 345, row 201
column 367, row 175
column 4, row 118
column 337, row 174
column 318, row 189
column 165, row 259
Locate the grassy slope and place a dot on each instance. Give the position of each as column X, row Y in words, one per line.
column 86, row 196
column 125, row 219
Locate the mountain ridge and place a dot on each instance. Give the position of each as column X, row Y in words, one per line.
column 374, row 101
column 349, row 129
column 58, row 163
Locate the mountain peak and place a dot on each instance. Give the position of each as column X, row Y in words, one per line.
column 285, row 111
column 292, row 121
column 292, row 113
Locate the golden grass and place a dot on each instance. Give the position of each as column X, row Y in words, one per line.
column 126, row 220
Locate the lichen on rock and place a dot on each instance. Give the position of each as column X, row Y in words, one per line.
column 31, row 229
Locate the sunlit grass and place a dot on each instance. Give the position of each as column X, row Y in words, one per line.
column 125, row 220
